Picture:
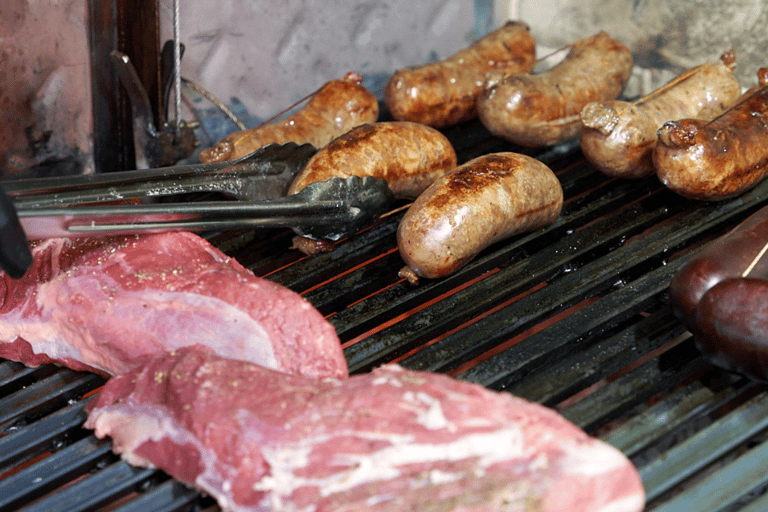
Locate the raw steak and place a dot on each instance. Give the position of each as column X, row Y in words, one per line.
column 105, row 305
column 393, row 440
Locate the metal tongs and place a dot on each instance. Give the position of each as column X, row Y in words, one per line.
column 69, row 206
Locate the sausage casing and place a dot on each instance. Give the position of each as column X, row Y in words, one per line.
column 543, row 109
column 409, row 156
column 738, row 253
column 485, row 200
column 444, row 93
column 717, row 159
column 732, row 326
column 618, row 136
column 337, row 107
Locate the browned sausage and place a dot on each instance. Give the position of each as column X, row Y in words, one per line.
column 444, row 93
column 409, row 156
column 718, row 159
column 618, row 136
column 732, row 326
column 481, row 202
column 336, row 108
column 543, row 109
column 738, row 253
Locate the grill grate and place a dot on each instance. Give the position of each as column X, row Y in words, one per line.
column 574, row 316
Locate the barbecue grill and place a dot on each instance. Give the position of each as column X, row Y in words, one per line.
column 574, row 316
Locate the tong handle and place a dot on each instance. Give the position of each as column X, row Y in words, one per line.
column 15, row 255
column 258, row 176
column 200, row 216
column 333, row 209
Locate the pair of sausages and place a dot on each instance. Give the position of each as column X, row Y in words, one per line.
column 492, row 80
column 717, row 159
column 618, row 137
column 334, row 109
column 537, row 110
column 444, row 93
column 457, row 212
column 699, row 134
column 721, row 296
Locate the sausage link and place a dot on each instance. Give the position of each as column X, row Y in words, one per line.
column 337, row 107
column 444, row 93
column 409, row 156
column 618, row 136
column 485, row 200
column 717, row 159
column 738, row 253
column 543, row 109
column 732, row 326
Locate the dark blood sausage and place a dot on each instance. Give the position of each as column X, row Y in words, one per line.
column 337, row 107
column 718, row 159
column 738, row 253
column 732, row 326
column 618, row 136
column 409, row 156
column 482, row 201
column 543, row 109
column 444, row 93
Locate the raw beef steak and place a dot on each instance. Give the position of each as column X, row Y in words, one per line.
column 393, row 440
column 105, row 305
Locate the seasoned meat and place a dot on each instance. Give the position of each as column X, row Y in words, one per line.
column 392, row 440
column 106, row 305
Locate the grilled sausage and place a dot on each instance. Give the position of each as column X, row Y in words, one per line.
column 732, row 326
column 444, row 93
column 409, row 156
column 481, row 202
column 718, row 159
column 543, row 109
column 738, row 253
column 334, row 109
column 618, row 136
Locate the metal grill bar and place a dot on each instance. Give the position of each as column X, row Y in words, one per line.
column 14, row 376
column 692, row 455
column 756, row 460
column 568, row 336
column 727, row 487
column 41, row 436
column 166, row 497
column 681, row 407
column 607, row 403
column 47, row 394
column 49, row 473
column 99, row 489
column 564, row 372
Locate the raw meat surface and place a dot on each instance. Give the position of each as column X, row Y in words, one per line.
column 106, row 305
column 392, row 440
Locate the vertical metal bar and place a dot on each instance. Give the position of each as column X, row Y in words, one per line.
column 132, row 28
column 176, row 66
column 112, row 137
